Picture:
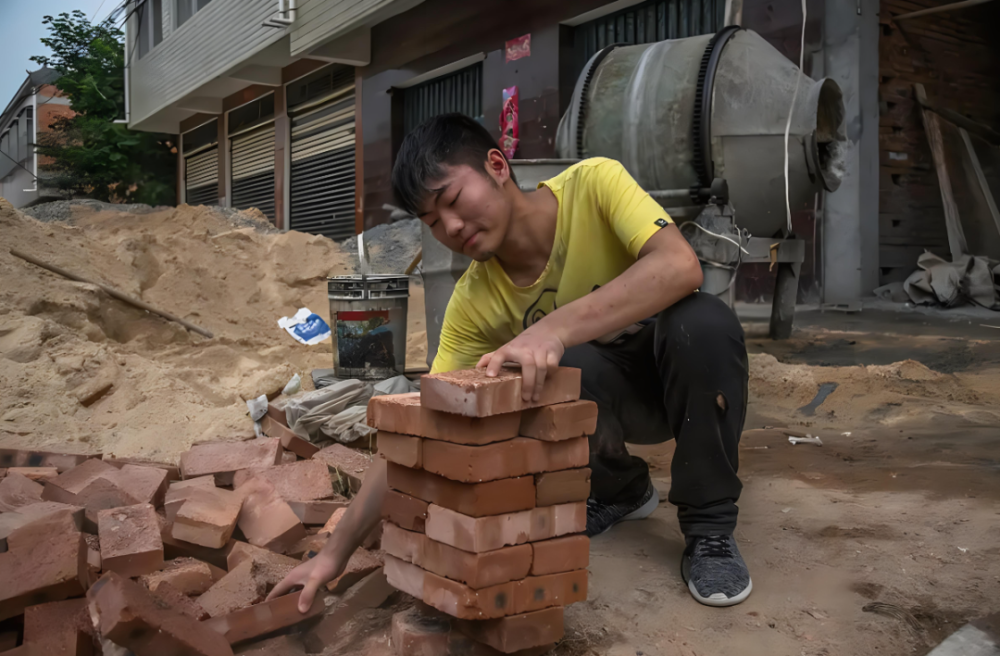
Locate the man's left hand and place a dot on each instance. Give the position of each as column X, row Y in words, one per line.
column 537, row 350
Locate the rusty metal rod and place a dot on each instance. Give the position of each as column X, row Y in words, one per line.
column 111, row 291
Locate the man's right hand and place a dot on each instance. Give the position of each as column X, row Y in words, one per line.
column 310, row 575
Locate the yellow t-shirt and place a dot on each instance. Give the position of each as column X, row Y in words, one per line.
column 604, row 220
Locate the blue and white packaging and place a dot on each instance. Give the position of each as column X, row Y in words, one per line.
column 306, row 327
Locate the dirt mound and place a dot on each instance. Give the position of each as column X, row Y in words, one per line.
column 901, row 392
column 170, row 388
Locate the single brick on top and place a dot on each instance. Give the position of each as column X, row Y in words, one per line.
column 130, row 540
column 470, row 392
column 404, row 414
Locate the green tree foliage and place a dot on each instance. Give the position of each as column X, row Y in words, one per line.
column 90, row 154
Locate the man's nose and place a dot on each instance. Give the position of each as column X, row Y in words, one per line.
column 452, row 224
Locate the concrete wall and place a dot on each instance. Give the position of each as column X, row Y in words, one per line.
column 220, row 36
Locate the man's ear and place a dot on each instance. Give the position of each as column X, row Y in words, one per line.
column 497, row 167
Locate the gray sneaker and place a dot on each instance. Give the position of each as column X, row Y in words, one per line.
column 602, row 516
column 714, row 570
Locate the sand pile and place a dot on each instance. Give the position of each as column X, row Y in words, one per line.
column 891, row 394
column 60, row 338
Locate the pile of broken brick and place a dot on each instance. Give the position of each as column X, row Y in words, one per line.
column 96, row 551
column 483, row 523
column 486, row 509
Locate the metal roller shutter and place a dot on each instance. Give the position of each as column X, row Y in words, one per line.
column 253, row 170
column 201, row 177
column 460, row 91
column 648, row 22
column 322, row 185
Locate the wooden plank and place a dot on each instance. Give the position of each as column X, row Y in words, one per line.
column 956, row 236
column 984, row 186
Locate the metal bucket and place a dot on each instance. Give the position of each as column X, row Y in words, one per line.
column 368, row 314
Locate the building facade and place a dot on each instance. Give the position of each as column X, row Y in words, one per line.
column 299, row 107
column 30, row 112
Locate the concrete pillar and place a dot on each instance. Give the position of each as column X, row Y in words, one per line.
column 223, row 159
column 850, row 221
column 282, row 155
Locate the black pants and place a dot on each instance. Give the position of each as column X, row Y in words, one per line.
column 683, row 376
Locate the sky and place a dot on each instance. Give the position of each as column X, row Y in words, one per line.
column 21, row 28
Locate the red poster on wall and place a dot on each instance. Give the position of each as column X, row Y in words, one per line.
column 518, row 48
column 508, row 123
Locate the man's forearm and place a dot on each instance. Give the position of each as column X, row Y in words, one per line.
column 649, row 286
column 362, row 515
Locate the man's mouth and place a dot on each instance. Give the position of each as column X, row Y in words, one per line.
column 470, row 241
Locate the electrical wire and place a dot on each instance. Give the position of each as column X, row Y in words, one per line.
column 791, row 110
column 713, row 234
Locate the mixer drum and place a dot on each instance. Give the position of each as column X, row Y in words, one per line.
column 678, row 113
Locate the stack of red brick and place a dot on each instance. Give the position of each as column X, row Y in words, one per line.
column 487, row 502
column 143, row 555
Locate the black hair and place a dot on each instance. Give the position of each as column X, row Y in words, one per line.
column 446, row 139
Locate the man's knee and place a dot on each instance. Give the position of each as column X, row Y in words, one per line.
column 696, row 322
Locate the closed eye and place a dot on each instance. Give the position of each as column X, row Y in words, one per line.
column 455, row 199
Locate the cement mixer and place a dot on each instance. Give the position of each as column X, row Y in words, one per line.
column 700, row 123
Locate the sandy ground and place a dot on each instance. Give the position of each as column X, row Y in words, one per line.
column 883, row 540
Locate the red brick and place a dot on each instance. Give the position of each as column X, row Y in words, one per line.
column 289, row 440
column 403, row 413
column 174, row 548
column 350, row 466
column 266, row 519
column 243, row 586
column 316, row 512
column 263, row 618
column 405, row 450
column 420, row 634
column 223, row 459
column 370, row 592
column 538, row 592
column 305, row 480
column 361, row 564
column 474, row 499
column 516, row 632
column 307, row 548
column 276, row 411
column 37, row 474
column 561, row 421
column 130, row 540
column 65, row 487
column 179, row 601
column 208, row 517
column 517, row 457
column 30, row 458
column 179, row 491
column 459, row 600
column 17, row 491
column 60, row 628
column 563, row 554
column 479, row 534
column 130, row 616
column 331, row 524
column 189, row 576
column 475, row 570
column 11, row 521
column 405, row 577
column 404, row 510
column 472, row 393
column 46, row 560
column 173, row 471
column 147, row 484
column 279, row 645
column 567, row 486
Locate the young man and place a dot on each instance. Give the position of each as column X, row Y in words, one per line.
column 589, row 272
